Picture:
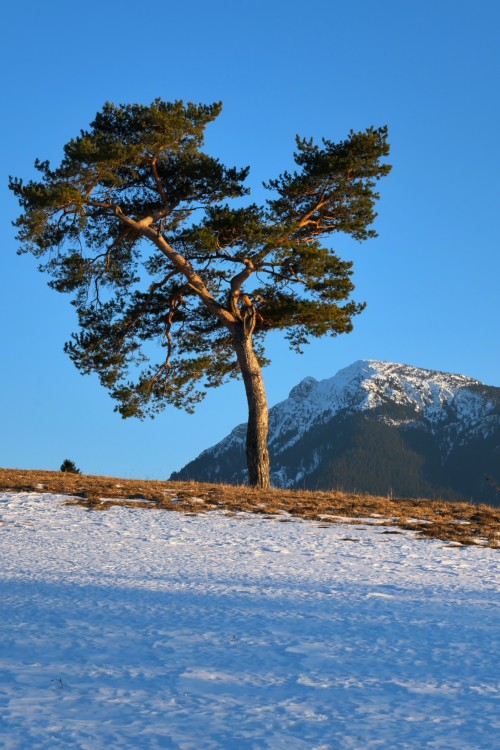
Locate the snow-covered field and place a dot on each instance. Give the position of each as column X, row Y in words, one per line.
column 148, row 629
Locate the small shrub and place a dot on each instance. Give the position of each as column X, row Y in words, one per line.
column 69, row 466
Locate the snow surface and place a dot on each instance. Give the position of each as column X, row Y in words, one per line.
column 144, row 629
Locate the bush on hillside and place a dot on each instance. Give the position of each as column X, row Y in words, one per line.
column 69, row 466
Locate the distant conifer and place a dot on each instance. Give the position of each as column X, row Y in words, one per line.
column 69, row 466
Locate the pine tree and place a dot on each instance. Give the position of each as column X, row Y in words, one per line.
column 69, row 466
column 137, row 224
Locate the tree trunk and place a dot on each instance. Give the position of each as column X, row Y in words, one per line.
column 257, row 430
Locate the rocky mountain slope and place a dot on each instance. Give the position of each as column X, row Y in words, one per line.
column 375, row 427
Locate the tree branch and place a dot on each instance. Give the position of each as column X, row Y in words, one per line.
column 181, row 265
column 175, row 301
column 308, row 215
column 242, row 276
column 161, row 189
column 278, row 275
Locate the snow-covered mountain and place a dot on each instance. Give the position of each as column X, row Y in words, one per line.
column 376, row 427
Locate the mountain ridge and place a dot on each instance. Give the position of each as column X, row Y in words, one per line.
column 423, row 418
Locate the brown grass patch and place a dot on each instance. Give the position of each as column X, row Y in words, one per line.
column 461, row 523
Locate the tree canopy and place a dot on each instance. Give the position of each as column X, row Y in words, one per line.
column 141, row 227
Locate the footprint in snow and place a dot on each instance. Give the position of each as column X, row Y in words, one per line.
column 277, row 550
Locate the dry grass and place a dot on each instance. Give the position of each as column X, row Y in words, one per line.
column 462, row 523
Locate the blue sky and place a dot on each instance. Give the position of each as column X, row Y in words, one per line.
column 430, row 70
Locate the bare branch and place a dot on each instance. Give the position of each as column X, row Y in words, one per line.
column 242, row 276
column 101, row 204
column 307, row 216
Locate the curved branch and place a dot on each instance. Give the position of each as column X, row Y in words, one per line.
column 181, row 265
column 242, row 276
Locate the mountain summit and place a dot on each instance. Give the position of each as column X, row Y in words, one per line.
column 375, row 427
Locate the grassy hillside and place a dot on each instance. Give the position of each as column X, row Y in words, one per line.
column 461, row 523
